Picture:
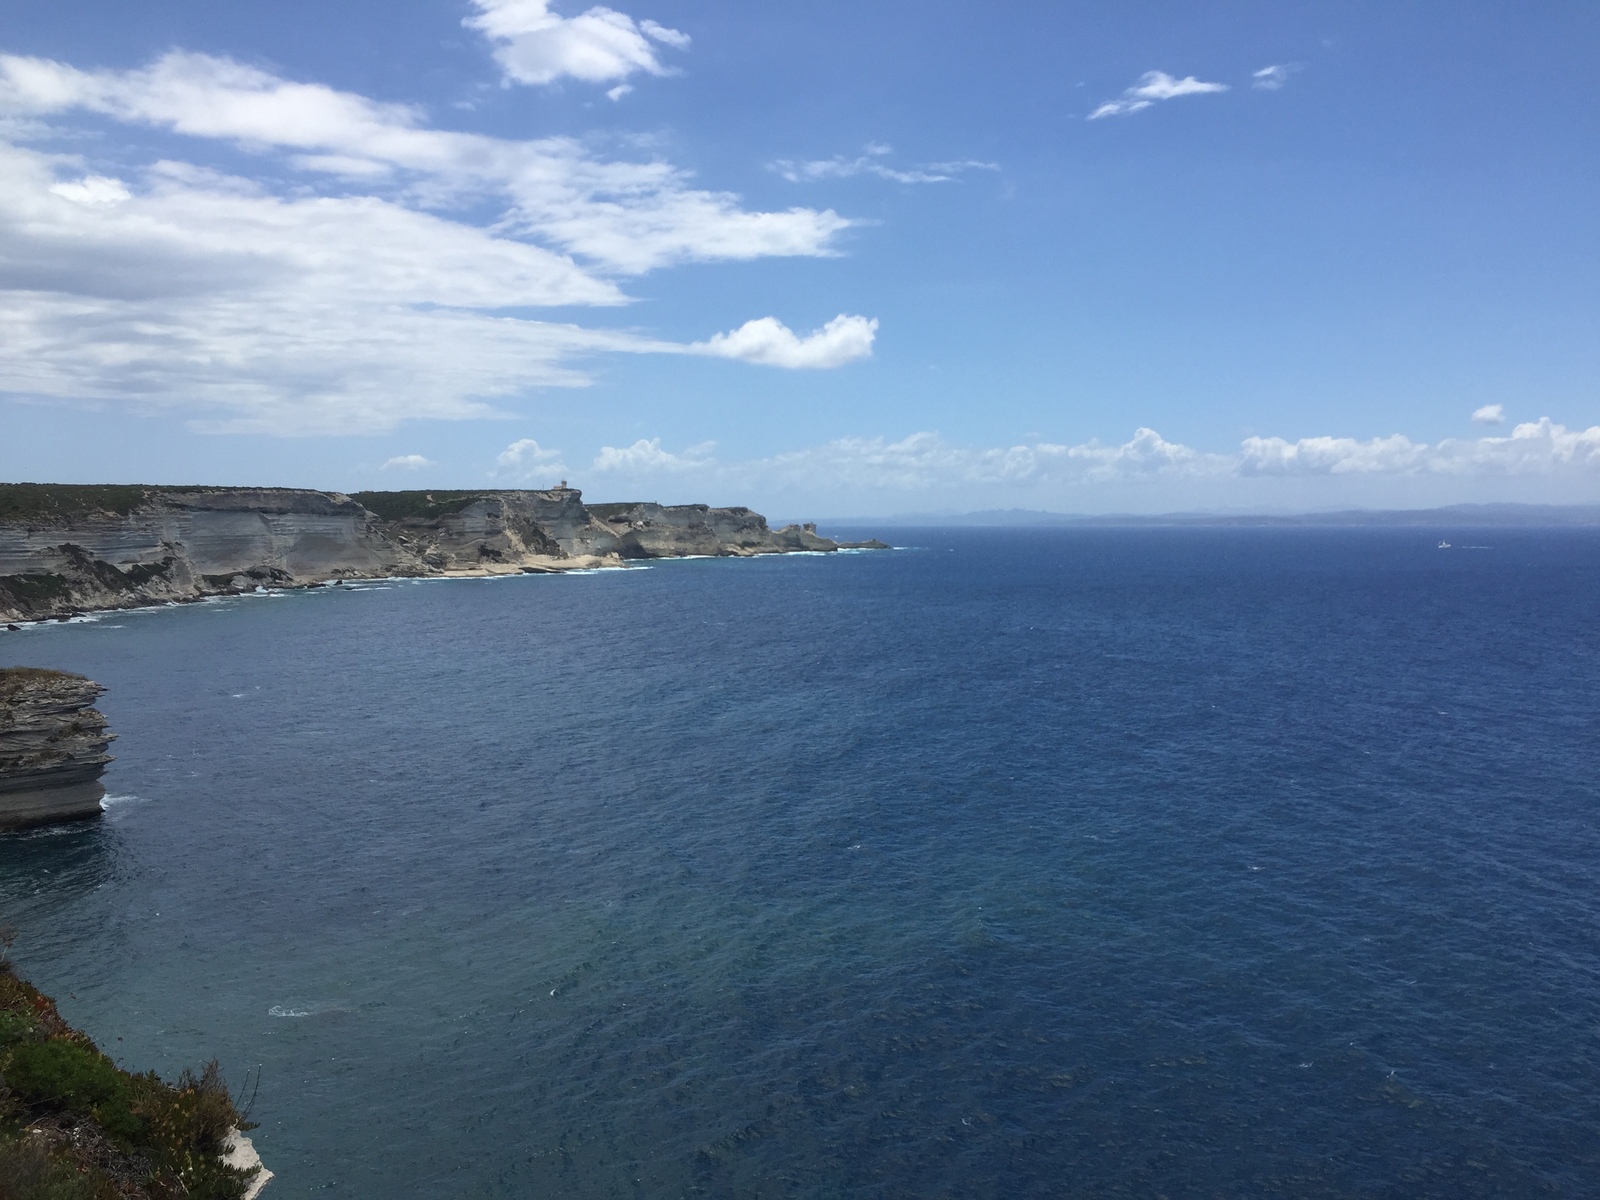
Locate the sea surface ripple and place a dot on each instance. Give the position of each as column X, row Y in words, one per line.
column 1192, row 863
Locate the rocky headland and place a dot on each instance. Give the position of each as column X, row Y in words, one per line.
column 68, row 549
column 52, row 747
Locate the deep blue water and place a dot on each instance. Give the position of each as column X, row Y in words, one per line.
column 1186, row 863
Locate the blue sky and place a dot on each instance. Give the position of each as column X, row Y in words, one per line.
column 824, row 259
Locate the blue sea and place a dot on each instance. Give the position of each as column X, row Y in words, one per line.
column 1085, row 863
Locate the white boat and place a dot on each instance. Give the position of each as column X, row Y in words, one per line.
column 1444, row 545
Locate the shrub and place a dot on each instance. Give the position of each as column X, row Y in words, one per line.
column 398, row 506
column 28, row 1171
column 24, row 501
column 131, row 1136
column 78, row 1079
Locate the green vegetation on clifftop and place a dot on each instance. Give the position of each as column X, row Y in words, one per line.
column 47, row 501
column 397, row 506
column 75, row 1126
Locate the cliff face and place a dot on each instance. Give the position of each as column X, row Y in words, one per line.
column 92, row 551
column 463, row 531
column 70, row 549
column 655, row 531
column 52, row 747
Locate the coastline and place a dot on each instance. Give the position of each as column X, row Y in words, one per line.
column 361, row 582
column 67, row 550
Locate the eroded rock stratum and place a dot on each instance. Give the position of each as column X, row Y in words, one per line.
column 52, row 747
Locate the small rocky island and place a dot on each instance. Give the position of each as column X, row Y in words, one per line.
column 52, row 747
column 67, row 549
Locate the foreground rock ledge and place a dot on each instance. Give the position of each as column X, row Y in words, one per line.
column 67, row 549
column 52, row 747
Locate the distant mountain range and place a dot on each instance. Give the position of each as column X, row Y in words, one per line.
column 1452, row 516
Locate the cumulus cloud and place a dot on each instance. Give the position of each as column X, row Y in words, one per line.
column 1489, row 414
column 927, row 462
column 1270, row 79
column 1154, row 86
column 646, row 457
column 408, row 462
column 536, row 46
column 871, row 162
column 1330, row 455
column 1535, row 447
column 769, row 341
column 526, row 459
column 367, row 292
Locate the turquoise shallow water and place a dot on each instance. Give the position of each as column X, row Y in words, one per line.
column 1079, row 863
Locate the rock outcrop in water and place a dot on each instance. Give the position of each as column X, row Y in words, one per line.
column 67, row 549
column 52, row 747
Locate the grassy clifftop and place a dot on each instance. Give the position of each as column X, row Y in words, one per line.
column 75, row 1126
column 24, row 501
column 397, row 506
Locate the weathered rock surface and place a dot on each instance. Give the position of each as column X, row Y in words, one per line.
column 68, row 549
column 52, row 747
column 657, row 531
column 65, row 549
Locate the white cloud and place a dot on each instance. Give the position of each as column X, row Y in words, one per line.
column 1489, row 414
column 624, row 217
column 1154, row 86
column 1330, row 455
column 526, row 459
column 1270, row 79
column 925, row 462
column 646, row 457
column 769, row 341
column 93, row 190
column 618, row 92
column 1535, row 447
column 408, row 462
column 316, row 310
column 534, row 45
column 871, row 163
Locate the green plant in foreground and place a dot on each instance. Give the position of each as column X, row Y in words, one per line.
column 74, row 1124
column 28, row 1171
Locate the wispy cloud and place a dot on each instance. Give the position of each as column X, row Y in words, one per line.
column 1270, row 79
column 369, row 291
column 925, row 460
column 1489, row 414
column 1154, row 86
column 536, row 46
column 408, row 462
column 871, row 162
